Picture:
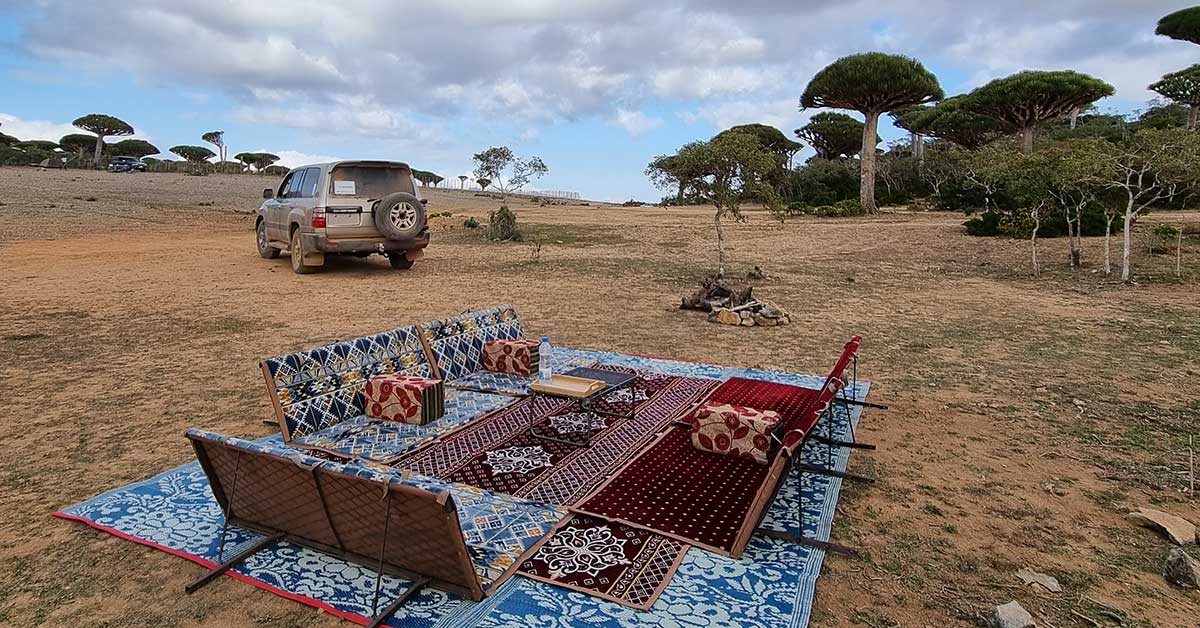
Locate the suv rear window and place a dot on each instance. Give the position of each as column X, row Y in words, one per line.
column 369, row 181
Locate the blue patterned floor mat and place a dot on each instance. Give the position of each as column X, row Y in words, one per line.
column 771, row 586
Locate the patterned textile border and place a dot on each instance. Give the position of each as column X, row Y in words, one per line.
column 573, row 471
column 770, row 587
column 612, row 561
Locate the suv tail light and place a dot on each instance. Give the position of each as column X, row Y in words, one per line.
column 318, row 218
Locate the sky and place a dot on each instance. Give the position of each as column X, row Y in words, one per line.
column 596, row 88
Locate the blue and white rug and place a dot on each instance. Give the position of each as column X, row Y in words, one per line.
column 771, row 586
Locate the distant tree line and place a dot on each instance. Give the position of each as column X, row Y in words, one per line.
column 1027, row 154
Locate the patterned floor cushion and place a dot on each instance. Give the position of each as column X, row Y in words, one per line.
column 381, row 441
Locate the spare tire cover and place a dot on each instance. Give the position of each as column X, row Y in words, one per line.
column 399, row 216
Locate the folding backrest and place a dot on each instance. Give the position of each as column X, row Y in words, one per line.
column 359, row 514
column 456, row 343
column 321, row 387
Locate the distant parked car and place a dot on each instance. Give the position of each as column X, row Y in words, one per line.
column 343, row 208
column 126, row 164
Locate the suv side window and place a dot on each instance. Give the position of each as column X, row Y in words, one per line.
column 293, row 188
column 312, row 177
column 283, row 187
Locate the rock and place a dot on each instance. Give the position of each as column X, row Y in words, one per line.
column 728, row 317
column 745, row 314
column 1010, row 615
column 747, row 322
column 1179, row 530
column 1029, row 576
column 1182, row 570
column 764, row 321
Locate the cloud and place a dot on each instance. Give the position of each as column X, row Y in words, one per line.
column 635, row 123
column 294, row 158
column 34, row 129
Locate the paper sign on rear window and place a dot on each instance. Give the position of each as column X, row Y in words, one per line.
column 343, row 187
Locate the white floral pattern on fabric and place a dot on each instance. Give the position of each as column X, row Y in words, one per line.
column 628, row 394
column 586, row 551
column 517, row 459
column 577, row 422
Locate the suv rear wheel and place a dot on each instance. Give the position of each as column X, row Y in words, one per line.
column 400, row 260
column 298, row 266
column 265, row 250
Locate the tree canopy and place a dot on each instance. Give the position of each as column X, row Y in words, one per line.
column 1025, row 99
column 7, row 140
column 77, row 143
column 1182, row 87
column 505, row 170
column 1183, row 25
column 833, row 135
column 134, row 148
column 728, row 170
column 951, row 121
column 216, row 138
column 871, row 83
column 260, row 161
column 193, row 154
column 103, row 125
column 769, row 137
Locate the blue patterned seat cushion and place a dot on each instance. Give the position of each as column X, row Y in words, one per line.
column 497, row 528
column 380, row 441
column 319, row 388
column 457, row 342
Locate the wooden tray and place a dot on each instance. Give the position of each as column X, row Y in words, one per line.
column 569, row 386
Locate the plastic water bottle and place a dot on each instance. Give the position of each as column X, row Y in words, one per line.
column 544, row 372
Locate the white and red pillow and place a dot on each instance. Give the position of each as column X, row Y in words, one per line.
column 734, row 431
column 516, row 357
column 404, row 399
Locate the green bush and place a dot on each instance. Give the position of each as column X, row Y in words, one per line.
column 502, row 225
column 471, row 223
column 840, row 209
column 822, row 182
column 984, row 225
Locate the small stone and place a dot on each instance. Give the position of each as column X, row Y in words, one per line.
column 1182, row 570
column 1049, row 583
column 1178, row 529
column 1010, row 615
column 765, row 322
column 745, row 314
column 747, row 322
column 728, row 317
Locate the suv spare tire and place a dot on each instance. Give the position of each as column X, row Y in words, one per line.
column 399, row 216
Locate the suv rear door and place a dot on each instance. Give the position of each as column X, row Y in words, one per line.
column 352, row 190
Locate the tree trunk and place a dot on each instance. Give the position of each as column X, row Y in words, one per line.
column 99, row 149
column 867, row 164
column 1108, row 245
column 720, row 244
column 1074, row 239
column 1027, row 140
column 1125, row 251
column 1179, row 252
column 1037, row 224
column 1193, row 114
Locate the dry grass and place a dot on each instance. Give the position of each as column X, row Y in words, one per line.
column 149, row 311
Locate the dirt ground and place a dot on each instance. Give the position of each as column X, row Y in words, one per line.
column 1027, row 415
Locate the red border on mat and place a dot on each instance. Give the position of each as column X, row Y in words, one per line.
column 346, row 615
